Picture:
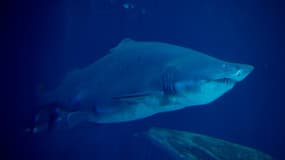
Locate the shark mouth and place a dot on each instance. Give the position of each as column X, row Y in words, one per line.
column 225, row 80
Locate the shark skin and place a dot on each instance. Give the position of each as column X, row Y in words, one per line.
column 138, row 79
column 191, row 146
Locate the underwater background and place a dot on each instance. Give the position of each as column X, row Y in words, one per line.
column 50, row 38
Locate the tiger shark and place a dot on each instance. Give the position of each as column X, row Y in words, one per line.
column 185, row 145
column 135, row 80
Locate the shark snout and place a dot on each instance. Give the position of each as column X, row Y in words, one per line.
column 241, row 71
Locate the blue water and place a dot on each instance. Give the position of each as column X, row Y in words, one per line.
column 54, row 37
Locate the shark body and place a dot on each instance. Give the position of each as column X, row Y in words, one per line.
column 139, row 79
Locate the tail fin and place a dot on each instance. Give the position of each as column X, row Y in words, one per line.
column 48, row 118
column 53, row 117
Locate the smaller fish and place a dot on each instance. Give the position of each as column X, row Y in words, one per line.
column 191, row 146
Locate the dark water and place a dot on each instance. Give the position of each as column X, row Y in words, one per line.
column 53, row 37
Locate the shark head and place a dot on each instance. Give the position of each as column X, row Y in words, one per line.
column 201, row 82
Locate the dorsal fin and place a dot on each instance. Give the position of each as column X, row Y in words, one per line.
column 124, row 42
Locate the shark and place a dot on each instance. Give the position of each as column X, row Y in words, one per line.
column 185, row 145
column 135, row 80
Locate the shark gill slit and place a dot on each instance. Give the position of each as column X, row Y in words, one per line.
column 168, row 82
